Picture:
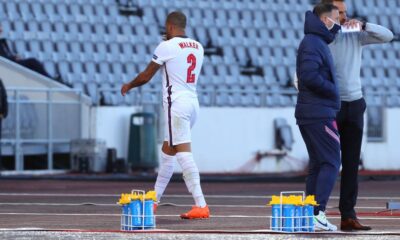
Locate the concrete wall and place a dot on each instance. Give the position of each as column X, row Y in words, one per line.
column 112, row 125
column 224, row 139
column 386, row 155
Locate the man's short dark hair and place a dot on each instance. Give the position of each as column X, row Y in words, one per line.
column 177, row 19
column 322, row 8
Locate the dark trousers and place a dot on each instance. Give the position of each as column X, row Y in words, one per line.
column 34, row 65
column 1, row 164
column 323, row 146
column 350, row 121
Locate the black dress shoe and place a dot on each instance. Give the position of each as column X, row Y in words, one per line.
column 351, row 224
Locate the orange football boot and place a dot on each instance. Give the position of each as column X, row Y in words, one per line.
column 197, row 213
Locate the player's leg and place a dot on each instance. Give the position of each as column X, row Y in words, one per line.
column 166, row 169
column 190, row 172
column 191, row 176
column 167, row 162
column 183, row 117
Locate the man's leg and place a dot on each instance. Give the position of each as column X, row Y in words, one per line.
column 325, row 144
column 324, row 137
column 313, row 165
column 191, row 174
column 181, row 116
column 351, row 132
column 166, row 169
column 1, row 163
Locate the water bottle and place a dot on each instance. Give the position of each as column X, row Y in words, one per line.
column 136, row 212
column 150, row 198
column 308, row 213
column 276, row 205
column 298, row 214
column 288, row 217
column 124, row 202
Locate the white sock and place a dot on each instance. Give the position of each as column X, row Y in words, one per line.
column 191, row 176
column 164, row 174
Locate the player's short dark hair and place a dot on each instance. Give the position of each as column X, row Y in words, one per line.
column 322, row 8
column 177, row 19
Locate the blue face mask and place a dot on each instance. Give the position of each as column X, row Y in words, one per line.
column 335, row 27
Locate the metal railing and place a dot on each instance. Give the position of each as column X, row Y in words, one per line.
column 375, row 100
column 213, row 93
column 44, row 106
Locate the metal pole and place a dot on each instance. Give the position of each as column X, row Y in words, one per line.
column 80, row 115
column 49, row 130
column 19, row 164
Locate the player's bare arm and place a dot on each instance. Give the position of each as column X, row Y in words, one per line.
column 142, row 78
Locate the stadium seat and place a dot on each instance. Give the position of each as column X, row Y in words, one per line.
column 90, row 42
column 37, row 10
column 241, row 55
column 201, row 35
column 233, row 18
column 221, row 19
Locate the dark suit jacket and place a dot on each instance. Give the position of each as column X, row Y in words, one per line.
column 3, row 100
column 5, row 51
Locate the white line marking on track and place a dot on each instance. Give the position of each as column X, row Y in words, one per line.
column 213, row 231
column 58, row 204
column 170, row 215
column 59, row 194
column 162, row 204
column 174, row 196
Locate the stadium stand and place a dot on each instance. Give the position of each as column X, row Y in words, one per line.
column 96, row 49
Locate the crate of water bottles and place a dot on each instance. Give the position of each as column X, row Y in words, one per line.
column 137, row 210
column 292, row 212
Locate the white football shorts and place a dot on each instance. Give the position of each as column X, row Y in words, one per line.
column 180, row 116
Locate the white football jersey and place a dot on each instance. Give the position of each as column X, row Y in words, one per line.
column 182, row 59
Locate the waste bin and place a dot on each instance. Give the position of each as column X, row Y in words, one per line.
column 142, row 149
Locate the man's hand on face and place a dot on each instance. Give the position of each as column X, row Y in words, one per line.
column 353, row 23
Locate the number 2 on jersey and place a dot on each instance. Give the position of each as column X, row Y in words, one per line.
column 191, row 77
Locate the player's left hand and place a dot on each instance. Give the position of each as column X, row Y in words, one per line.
column 353, row 23
column 125, row 88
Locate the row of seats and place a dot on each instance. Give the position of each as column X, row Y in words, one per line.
column 75, row 12
column 95, row 48
column 235, row 97
column 253, row 5
column 375, row 7
column 149, row 34
column 206, row 98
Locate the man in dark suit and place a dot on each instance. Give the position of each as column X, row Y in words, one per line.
column 3, row 111
column 30, row 63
